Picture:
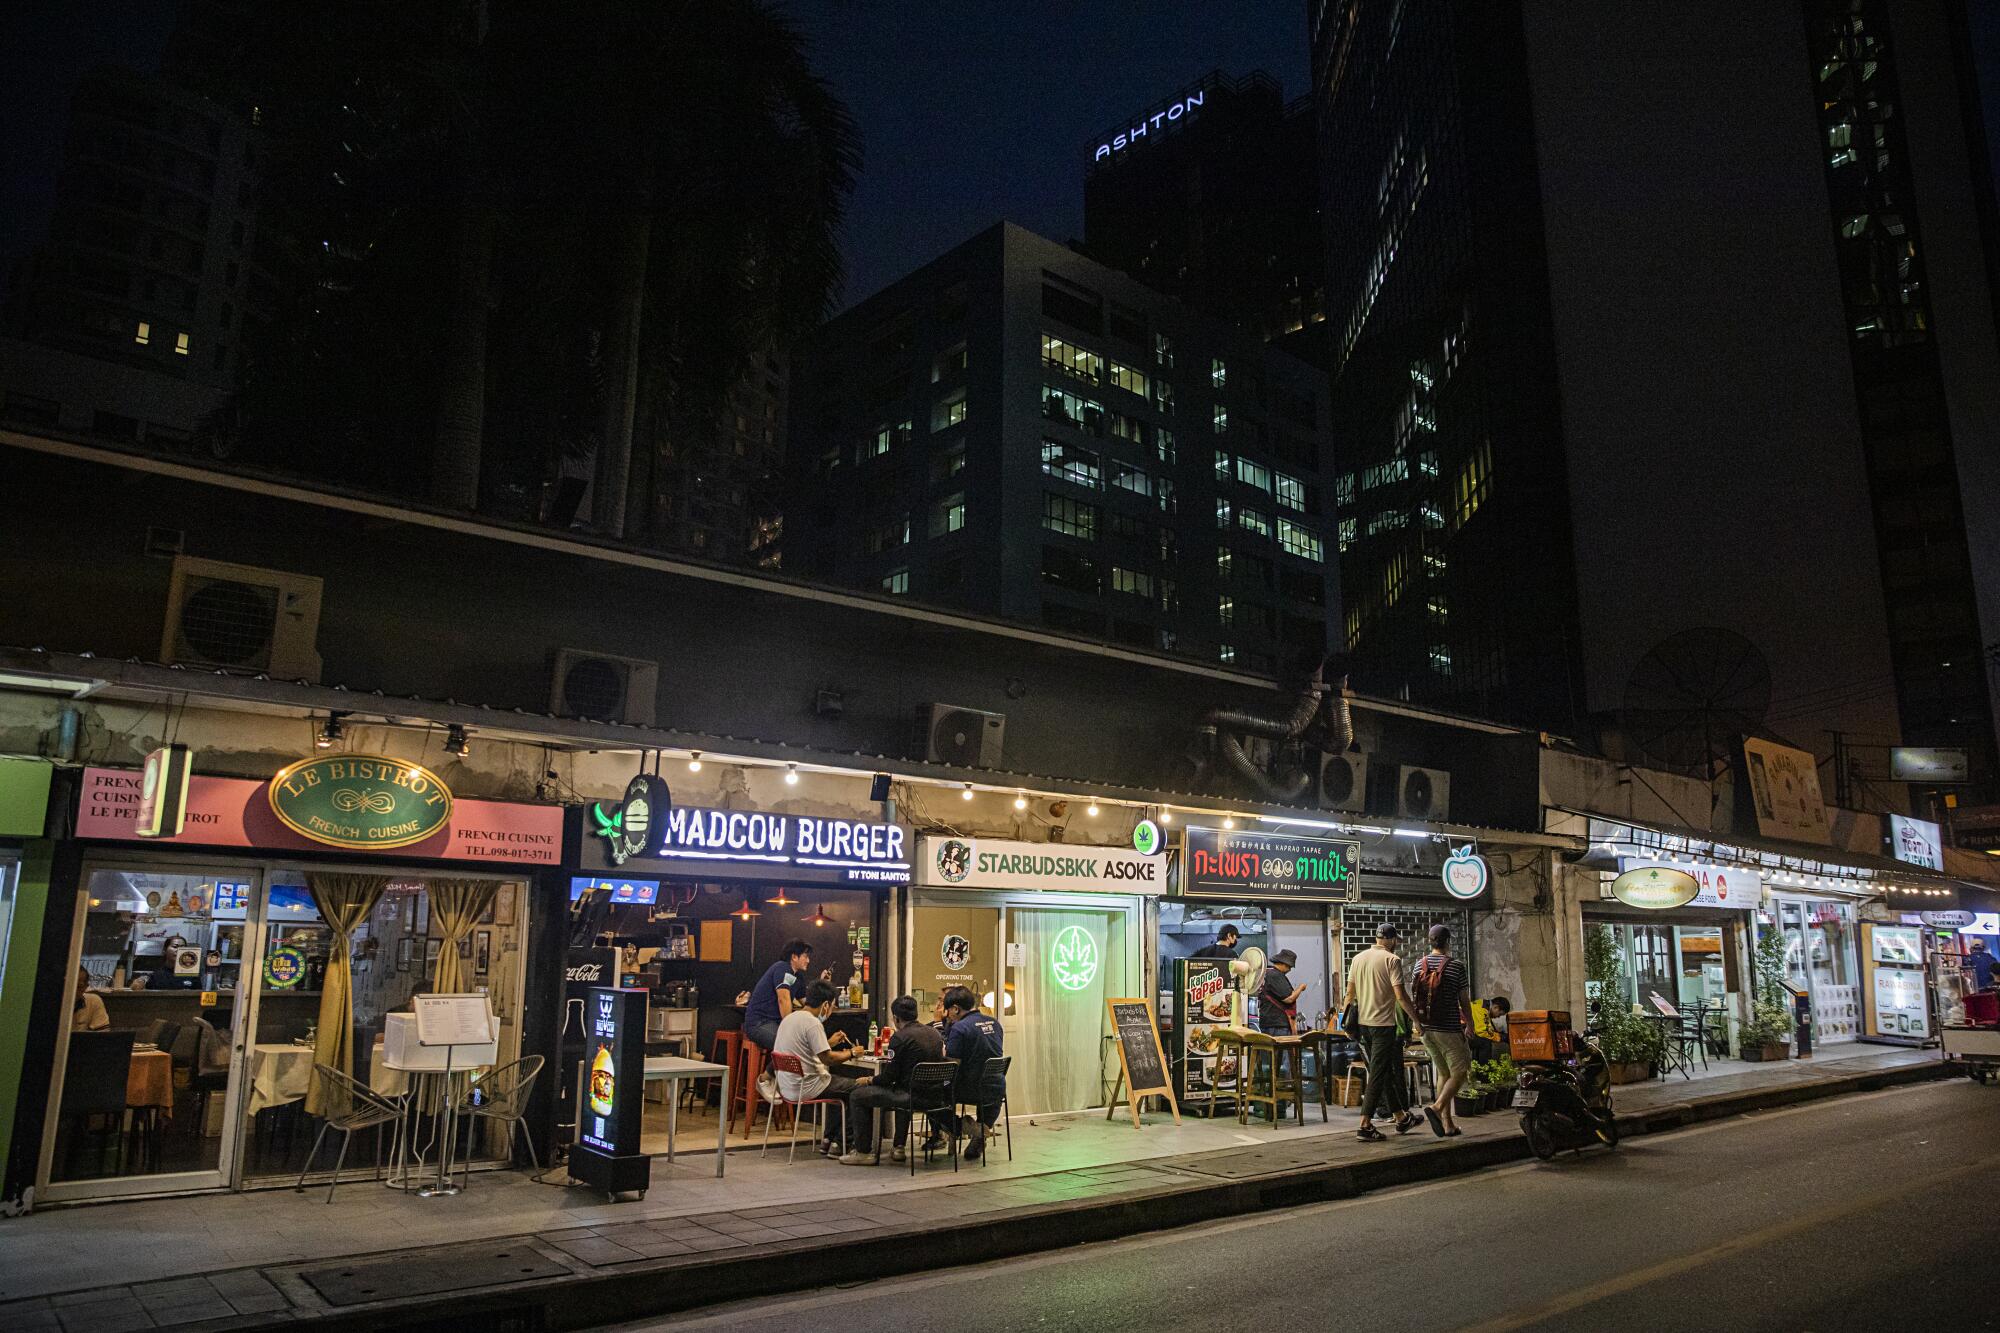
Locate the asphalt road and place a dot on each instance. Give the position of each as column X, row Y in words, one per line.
column 1874, row 1212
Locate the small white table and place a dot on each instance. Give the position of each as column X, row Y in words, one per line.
column 671, row 1069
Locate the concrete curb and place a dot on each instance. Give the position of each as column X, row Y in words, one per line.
column 647, row 1289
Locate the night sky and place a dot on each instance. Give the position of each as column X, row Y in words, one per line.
column 970, row 110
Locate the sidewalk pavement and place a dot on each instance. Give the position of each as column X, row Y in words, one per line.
column 541, row 1256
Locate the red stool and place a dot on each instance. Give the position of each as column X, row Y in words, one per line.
column 749, row 1067
column 725, row 1049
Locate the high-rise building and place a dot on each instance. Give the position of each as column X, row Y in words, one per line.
column 1209, row 196
column 1018, row 430
column 713, row 487
column 1656, row 416
column 128, row 321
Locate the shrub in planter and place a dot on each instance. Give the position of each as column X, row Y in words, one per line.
column 1768, row 1034
column 1471, row 1100
column 1632, row 1045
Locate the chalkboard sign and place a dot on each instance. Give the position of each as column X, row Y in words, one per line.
column 1142, row 1062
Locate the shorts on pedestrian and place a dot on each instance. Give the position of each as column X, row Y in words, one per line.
column 1449, row 1052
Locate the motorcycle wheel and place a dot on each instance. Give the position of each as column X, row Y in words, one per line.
column 1605, row 1125
column 1541, row 1139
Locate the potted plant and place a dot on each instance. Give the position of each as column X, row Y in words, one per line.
column 1632, row 1046
column 1498, row 1076
column 1768, row 1034
column 1470, row 1099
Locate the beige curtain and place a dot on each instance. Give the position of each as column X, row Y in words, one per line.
column 344, row 902
column 456, row 906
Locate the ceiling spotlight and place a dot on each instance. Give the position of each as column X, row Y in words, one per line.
column 791, row 775
column 1020, row 800
column 1091, row 809
column 329, row 734
column 455, row 742
column 967, row 793
column 694, row 762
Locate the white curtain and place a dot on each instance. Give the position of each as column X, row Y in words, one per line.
column 1055, row 1033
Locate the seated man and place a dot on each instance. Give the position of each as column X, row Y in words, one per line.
column 803, row 1034
column 776, row 994
column 911, row 1044
column 972, row 1039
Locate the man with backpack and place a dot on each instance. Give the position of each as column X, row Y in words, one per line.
column 1438, row 986
column 1375, row 991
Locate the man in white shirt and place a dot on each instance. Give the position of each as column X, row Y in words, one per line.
column 1375, row 988
column 803, row 1034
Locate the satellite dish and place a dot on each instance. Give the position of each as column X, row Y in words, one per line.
column 1693, row 696
column 1248, row 970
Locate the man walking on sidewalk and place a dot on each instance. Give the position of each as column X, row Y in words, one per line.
column 1439, row 986
column 1375, row 989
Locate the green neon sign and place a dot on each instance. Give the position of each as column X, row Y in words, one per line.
column 1074, row 958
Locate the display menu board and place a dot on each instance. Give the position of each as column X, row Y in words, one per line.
column 613, row 1095
column 1140, row 1056
column 1201, row 1005
column 1895, row 995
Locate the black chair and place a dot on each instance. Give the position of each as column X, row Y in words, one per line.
column 95, row 1075
column 930, row 1089
column 992, row 1087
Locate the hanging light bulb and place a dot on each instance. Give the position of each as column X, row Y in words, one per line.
column 1091, row 810
column 967, row 793
column 1020, row 800
column 1229, row 821
column 781, row 900
column 819, row 915
column 791, row 775
column 745, row 912
column 1166, row 815
column 694, row 762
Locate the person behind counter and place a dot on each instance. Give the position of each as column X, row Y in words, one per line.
column 911, row 1044
column 162, row 975
column 89, row 1014
column 776, row 994
column 803, row 1034
column 1983, row 965
column 1224, row 946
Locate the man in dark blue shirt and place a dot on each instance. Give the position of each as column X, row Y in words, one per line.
column 971, row 1038
column 776, row 994
column 1982, row 964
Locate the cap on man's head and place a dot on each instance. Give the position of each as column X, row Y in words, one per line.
column 1978, row 943
column 1440, row 936
column 1284, row 958
column 1387, row 931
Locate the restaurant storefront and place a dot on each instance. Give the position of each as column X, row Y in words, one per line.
column 1680, row 932
column 282, row 925
column 25, row 859
column 1044, row 934
column 699, row 902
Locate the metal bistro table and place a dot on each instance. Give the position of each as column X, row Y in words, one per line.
column 671, row 1069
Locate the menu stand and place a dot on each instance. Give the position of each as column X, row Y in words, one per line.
column 450, row 1022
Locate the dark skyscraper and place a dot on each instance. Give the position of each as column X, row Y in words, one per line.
column 1215, row 203
column 1644, row 359
column 1020, row 431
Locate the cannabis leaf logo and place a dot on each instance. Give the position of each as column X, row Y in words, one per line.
column 1073, row 958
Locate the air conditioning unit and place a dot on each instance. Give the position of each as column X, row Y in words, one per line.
column 604, row 688
column 1343, row 781
column 964, row 737
column 241, row 618
column 1423, row 793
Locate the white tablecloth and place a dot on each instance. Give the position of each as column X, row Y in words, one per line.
column 280, row 1072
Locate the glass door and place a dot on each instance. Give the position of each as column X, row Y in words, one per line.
column 1063, row 962
column 1654, row 968
column 147, row 1069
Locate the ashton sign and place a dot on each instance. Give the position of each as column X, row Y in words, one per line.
column 1184, row 105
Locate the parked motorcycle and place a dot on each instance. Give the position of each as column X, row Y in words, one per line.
column 1565, row 1102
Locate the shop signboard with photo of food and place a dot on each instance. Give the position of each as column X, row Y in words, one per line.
column 1202, row 987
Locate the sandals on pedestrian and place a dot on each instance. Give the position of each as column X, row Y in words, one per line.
column 1370, row 1134
column 1437, row 1121
column 1453, row 1132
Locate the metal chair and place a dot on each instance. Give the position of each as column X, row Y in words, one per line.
column 365, row 1108
column 930, row 1088
column 791, row 1064
column 502, row 1094
column 992, row 1087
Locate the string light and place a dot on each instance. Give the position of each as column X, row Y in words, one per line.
column 1229, row 821
column 1091, row 810
column 694, row 762
column 1020, row 800
column 791, row 775
column 967, row 793
column 1166, row 815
